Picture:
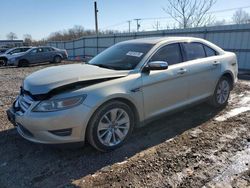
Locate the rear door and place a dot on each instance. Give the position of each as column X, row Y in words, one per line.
column 48, row 54
column 204, row 69
column 165, row 90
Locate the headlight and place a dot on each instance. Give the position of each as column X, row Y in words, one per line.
column 59, row 104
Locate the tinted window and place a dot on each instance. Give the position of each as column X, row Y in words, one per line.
column 39, row 50
column 124, row 56
column 18, row 50
column 209, row 51
column 194, row 51
column 47, row 49
column 34, row 51
column 24, row 49
column 170, row 53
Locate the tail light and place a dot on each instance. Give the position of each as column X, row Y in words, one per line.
column 66, row 53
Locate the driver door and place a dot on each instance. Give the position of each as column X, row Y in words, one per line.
column 164, row 90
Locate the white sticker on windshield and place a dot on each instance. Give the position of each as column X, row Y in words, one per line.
column 134, row 54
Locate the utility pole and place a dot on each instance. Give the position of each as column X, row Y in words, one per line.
column 157, row 25
column 129, row 23
column 137, row 24
column 96, row 18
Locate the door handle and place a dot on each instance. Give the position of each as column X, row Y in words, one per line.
column 216, row 63
column 181, row 71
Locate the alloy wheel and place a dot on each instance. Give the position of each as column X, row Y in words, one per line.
column 113, row 127
column 223, row 92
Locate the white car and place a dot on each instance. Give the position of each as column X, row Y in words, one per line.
column 125, row 86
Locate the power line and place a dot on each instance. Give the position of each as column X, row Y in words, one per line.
column 168, row 17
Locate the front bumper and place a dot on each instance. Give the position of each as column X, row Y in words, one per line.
column 66, row 126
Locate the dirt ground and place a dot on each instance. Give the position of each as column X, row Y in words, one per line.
column 196, row 147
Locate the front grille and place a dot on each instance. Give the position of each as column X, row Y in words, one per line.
column 23, row 103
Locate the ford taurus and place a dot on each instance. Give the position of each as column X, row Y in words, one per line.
column 125, row 86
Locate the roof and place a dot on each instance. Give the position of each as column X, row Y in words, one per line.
column 155, row 40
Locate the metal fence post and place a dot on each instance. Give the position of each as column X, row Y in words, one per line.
column 74, row 54
column 97, row 45
column 205, row 33
column 83, row 45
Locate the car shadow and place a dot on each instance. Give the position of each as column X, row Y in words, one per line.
column 24, row 164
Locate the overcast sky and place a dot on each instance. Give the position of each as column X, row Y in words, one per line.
column 41, row 17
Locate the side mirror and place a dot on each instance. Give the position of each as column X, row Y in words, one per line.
column 156, row 65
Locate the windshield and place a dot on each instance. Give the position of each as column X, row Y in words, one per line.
column 9, row 50
column 121, row 56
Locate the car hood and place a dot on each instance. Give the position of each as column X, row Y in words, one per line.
column 48, row 79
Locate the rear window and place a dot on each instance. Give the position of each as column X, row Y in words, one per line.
column 194, row 51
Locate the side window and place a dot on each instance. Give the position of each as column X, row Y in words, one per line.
column 15, row 51
column 46, row 49
column 39, row 50
column 170, row 53
column 34, row 51
column 24, row 49
column 194, row 51
column 209, row 51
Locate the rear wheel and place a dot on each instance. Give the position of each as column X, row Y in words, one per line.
column 23, row 63
column 221, row 93
column 57, row 59
column 110, row 126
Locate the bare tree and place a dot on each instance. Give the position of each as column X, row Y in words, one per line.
column 11, row 36
column 27, row 39
column 241, row 17
column 218, row 23
column 190, row 13
column 75, row 33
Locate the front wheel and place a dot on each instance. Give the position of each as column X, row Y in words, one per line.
column 110, row 126
column 221, row 93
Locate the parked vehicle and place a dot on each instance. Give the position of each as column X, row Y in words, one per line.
column 4, row 57
column 3, row 50
column 38, row 55
column 125, row 86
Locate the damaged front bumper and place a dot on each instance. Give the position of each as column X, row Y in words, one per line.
column 65, row 126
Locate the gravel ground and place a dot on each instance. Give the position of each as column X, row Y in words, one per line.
column 196, row 147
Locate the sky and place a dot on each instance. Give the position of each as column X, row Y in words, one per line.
column 42, row 17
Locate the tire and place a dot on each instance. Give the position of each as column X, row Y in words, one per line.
column 221, row 93
column 57, row 59
column 23, row 63
column 106, row 132
column 3, row 62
